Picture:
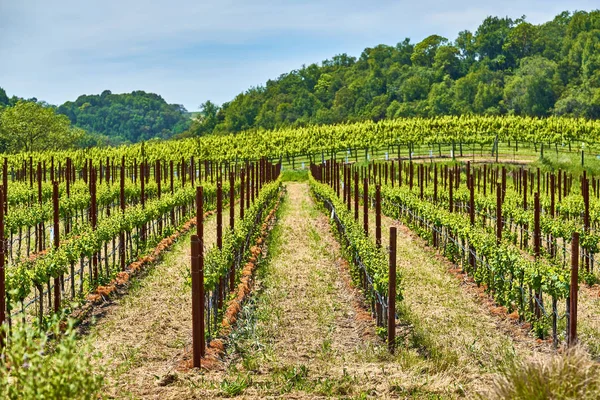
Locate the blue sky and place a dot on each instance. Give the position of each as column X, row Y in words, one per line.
column 191, row 51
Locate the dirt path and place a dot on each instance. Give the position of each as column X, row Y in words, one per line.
column 143, row 335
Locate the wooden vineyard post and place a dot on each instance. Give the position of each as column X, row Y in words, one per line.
column 56, row 233
column 378, row 215
column 392, row 292
column 197, row 300
column 572, row 334
column 366, row 206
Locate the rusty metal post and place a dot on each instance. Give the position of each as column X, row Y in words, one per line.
column 451, row 193
column 40, row 229
column 356, row 196
column 56, row 233
column 392, row 292
column 411, row 173
column 536, row 225
column 498, row 212
column 219, row 215
column 5, row 185
column 471, row 185
column 572, row 336
column 93, row 211
column 2, row 271
column 421, row 180
column 378, row 215
column 348, row 187
column 192, row 171
column 231, row 200
column 122, row 204
column 435, row 183
column 242, row 197
column 143, row 196
column 197, row 300
column 200, row 211
column 366, row 206
column 232, row 225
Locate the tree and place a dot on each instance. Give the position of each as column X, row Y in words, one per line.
column 133, row 116
column 490, row 38
column 4, row 100
column 208, row 118
column 447, row 62
column 534, row 88
column 30, row 127
column 425, row 50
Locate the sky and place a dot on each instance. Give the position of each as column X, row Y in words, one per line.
column 190, row 51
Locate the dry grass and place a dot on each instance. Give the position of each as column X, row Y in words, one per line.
column 303, row 334
column 572, row 375
column 143, row 334
column 452, row 320
column 588, row 319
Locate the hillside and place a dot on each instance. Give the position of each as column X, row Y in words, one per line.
column 128, row 117
column 505, row 67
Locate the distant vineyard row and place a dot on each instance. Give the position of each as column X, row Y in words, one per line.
column 317, row 140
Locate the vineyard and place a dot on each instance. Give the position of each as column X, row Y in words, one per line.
column 409, row 258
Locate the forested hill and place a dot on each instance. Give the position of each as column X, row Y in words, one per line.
column 505, row 67
column 129, row 117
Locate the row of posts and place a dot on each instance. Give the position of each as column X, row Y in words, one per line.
column 330, row 173
column 265, row 172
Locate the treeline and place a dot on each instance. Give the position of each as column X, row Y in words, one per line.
column 90, row 121
column 505, row 67
column 128, row 117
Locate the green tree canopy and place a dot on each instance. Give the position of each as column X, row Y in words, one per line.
column 29, row 126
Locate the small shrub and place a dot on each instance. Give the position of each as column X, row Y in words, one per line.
column 50, row 364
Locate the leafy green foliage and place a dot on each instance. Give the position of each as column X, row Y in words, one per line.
column 508, row 272
column 218, row 261
column 31, row 127
column 129, row 117
column 360, row 246
column 32, row 366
